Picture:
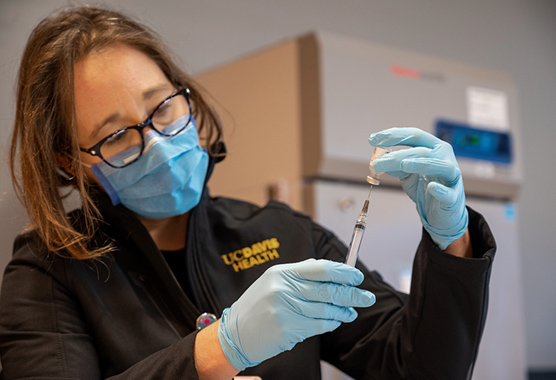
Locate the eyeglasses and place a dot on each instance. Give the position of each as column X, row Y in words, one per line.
column 126, row 145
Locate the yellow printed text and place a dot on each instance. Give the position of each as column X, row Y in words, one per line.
column 256, row 254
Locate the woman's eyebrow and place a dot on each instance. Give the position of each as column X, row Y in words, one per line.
column 110, row 119
column 147, row 94
column 153, row 90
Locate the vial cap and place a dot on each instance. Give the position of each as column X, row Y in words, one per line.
column 373, row 181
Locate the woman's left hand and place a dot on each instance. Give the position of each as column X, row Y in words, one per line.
column 430, row 175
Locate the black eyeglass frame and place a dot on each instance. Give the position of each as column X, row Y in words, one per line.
column 95, row 149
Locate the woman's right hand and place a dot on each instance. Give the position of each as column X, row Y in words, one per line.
column 286, row 305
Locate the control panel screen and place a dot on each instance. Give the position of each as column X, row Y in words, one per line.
column 472, row 142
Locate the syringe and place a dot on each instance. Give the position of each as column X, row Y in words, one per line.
column 372, row 179
column 358, row 231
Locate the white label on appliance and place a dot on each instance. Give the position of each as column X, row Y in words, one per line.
column 487, row 108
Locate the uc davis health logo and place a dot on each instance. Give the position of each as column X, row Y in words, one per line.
column 256, row 254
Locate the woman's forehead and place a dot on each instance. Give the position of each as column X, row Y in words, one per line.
column 116, row 66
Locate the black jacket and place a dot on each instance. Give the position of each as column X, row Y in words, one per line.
column 126, row 317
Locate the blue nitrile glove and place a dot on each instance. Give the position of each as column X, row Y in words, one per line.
column 286, row 305
column 430, row 175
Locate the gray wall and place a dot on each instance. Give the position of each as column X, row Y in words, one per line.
column 515, row 36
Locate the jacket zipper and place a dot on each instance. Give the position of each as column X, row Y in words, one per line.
column 140, row 281
column 200, row 279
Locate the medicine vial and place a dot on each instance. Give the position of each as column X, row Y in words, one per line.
column 374, row 177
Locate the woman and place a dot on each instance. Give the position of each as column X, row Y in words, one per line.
column 119, row 287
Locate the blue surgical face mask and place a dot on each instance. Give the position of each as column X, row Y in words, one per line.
column 166, row 181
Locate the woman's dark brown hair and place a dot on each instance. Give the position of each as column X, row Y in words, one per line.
column 44, row 144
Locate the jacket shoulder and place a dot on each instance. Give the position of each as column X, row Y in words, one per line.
column 277, row 215
column 245, row 210
column 29, row 243
column 29, row 246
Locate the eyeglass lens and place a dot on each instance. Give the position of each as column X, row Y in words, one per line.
column 126, row 145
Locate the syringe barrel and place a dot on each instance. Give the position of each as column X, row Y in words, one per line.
column 355, row 243
column 362, row 218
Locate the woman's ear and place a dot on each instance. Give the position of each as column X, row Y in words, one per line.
column 64, row 167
